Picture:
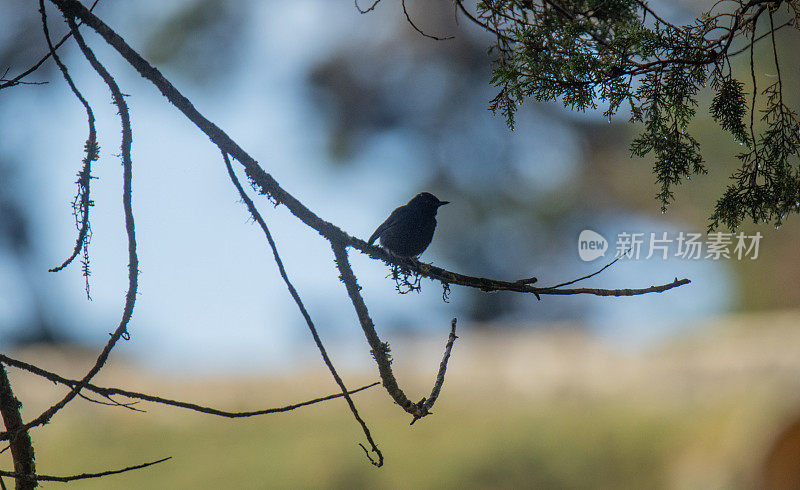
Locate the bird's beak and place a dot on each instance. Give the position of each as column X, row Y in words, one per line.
column 442, row 203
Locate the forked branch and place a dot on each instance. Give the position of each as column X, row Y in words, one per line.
column 427, row 403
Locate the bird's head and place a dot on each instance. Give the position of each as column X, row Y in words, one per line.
column 426, row 200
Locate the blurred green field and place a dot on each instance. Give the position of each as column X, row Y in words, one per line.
column 555, row 411
column 570, row 445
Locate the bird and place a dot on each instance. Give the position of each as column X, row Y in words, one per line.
column 408, row 231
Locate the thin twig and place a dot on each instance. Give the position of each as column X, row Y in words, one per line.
column 17, row 80
column 589, row 275
column 408, row 17
column 111, row 403
column 370, row 9
column 460, row 5
column 766, row 34
column 646, row 8
column 82, row 476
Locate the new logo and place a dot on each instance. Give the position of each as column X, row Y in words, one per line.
column 591, row 245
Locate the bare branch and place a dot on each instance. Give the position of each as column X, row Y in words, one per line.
column 589, row 275
column 486, row 284
column 474, row 20
column 408, row 18
column 771, row 32
column 83, row 476
column 427, row 404
column 370, row 9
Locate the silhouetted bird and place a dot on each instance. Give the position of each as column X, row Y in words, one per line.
column 408, row 231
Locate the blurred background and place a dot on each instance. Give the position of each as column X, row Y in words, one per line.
column 354, row 114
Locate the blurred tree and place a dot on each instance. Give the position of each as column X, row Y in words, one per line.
column 17, row 245
column 184, row 37
column 18, row 46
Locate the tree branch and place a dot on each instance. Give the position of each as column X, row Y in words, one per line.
column 20, row 444
column 83, row 476
column 486, row 284
column 367, row 10
column 408, row 18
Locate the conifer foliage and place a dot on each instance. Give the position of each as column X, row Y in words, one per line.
column 616, row 53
